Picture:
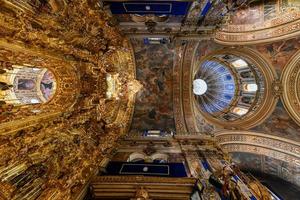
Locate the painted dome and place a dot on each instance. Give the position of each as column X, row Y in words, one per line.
column 220, row 85
column 227, row 87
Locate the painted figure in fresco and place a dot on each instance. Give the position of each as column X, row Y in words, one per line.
column 279, row 52
column 47, row 89
column 4, row 86
column 47, row 84
column 26, row 84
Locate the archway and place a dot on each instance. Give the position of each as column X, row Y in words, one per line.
column 263, row 152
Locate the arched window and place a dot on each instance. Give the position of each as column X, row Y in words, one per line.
column 159, row 158
column 23, row 85
column 247, row 74
column 252, row 87
column 136, row 157
column 239, row 63
column 247, row 100
column 240, row 111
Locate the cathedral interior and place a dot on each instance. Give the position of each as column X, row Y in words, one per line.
column 150, row 100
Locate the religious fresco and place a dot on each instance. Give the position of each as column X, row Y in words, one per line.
column 30, row 85
column 253, row 14
column 206, row 47
column 260, row 22
column 154, row 107
column 253, row 162
column 258, row 12
column 48, row 85
column 216, row 14
column 280, row 123
column 279, row 53
column 26, row 84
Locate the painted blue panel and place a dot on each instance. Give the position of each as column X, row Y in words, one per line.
column 146, row 169
column 150, row 7
column 228, row 97
column 205, row 165
column 129, row 168
column 206, row 8
column 228, row 77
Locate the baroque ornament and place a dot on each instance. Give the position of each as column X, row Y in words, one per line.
column 52, row 149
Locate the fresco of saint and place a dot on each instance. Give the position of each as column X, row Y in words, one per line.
column 26, row 84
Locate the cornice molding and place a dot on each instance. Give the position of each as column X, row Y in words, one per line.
column 260, row 143
column 285, row 26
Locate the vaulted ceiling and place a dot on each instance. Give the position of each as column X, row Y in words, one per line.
column 172, row 46
column 129, row 67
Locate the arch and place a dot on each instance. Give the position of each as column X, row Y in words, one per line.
column 140, row 156
column 136, row 156
column 17, row 57
column 290, row 80
column 238, row 114
column 276, row 152
column 162, row 158
column 260, row 143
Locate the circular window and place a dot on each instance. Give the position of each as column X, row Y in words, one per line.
column 199, row 87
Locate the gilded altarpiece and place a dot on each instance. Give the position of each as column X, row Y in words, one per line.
column 52, row 153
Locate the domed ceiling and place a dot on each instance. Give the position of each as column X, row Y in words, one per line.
column 235, row 88
column 219, row 84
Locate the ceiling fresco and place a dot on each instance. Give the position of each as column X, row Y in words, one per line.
column 259, row 12
column 260, row 21
column 279, row 52
column 154, row 107
column 280, row 123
